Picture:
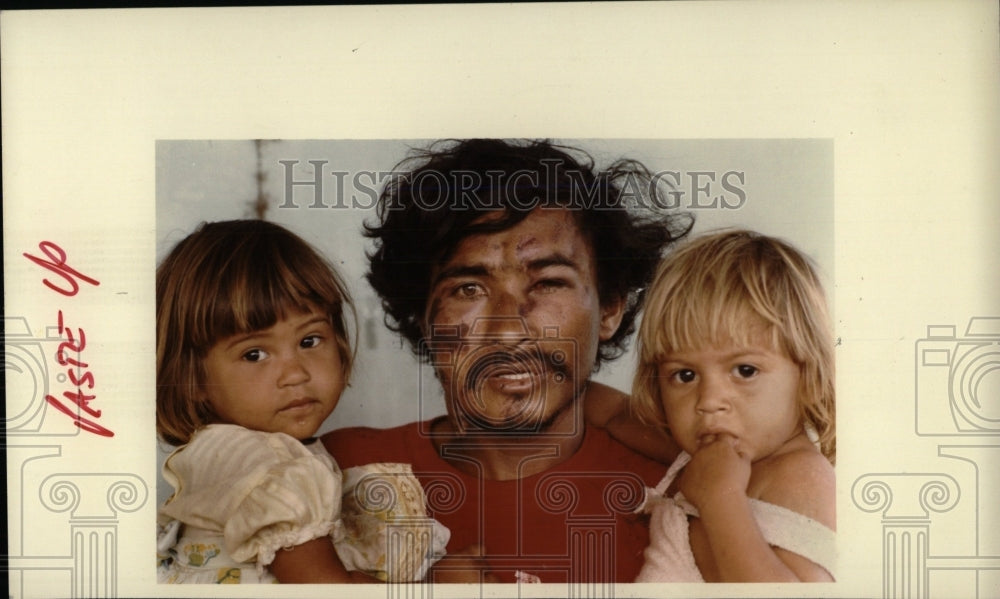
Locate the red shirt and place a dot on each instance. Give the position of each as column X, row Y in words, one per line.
column 571, row 523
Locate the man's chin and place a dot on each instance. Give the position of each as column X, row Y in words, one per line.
column 520, row 418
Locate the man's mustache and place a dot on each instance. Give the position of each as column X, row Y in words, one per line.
column 501, row 359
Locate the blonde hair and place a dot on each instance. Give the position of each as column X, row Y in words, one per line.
column 230, row 278
column 729, row 287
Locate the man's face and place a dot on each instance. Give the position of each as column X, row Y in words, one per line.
column 513, row 323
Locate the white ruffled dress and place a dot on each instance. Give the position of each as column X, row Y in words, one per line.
column 240, row 496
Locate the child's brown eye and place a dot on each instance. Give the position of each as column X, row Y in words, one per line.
column 746, row 371
column 310, row 341
column 684, row 376
column 254, row 355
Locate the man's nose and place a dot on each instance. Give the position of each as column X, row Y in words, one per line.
column 506, row 316
column 500, row 327
column 507, row 303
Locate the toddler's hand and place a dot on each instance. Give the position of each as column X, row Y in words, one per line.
column 718, row 471
column 466, row 565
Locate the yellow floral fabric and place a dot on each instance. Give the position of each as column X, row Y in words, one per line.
column 242, row 495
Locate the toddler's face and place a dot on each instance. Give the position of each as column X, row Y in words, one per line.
column 287, row 378
column 750, row 393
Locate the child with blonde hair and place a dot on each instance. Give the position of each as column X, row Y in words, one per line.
column 736, row 360
column 252, row 355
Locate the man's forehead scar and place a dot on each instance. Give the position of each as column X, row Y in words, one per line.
column 556, row 259
column 525, row 243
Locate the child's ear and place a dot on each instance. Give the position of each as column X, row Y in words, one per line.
column 202, row 402
column 196, row 389
column 203, row 406
column 611, row 317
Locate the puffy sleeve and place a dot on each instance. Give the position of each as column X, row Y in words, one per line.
column 261, row 491
column 383, row 507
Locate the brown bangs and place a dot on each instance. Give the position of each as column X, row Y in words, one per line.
column 258, row 282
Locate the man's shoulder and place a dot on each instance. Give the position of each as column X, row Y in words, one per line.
column 602, row 450
column 368, row 432
column 353, row 446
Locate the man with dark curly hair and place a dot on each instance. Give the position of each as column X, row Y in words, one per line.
column 515, row 268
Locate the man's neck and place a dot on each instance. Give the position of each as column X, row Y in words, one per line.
column 510, row 455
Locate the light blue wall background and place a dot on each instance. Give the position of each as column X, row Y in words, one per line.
column 788, row 187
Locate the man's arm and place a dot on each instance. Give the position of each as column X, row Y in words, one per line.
column 607, row 408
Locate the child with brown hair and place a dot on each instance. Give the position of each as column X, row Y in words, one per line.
column 736, row 360
column 252, row 355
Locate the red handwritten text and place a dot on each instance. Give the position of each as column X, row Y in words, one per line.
column 76, row 344
column 69, row 353
column 57, row 263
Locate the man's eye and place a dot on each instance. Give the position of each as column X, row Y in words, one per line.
column 468, row 290
column 254, row 355
column 550, row 284
column 746, row 371
column 310, row 341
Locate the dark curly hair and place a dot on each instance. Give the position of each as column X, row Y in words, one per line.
column 440, row 193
